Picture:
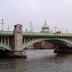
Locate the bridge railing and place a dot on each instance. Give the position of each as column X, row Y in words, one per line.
column 46, row 34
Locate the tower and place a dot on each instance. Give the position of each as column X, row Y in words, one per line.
column 18, row 40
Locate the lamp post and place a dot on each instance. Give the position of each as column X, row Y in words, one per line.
column 31, row 29
column 8, row 27
column 2, row 22
column 55, row 29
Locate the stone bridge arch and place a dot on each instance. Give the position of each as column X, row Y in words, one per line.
column 5, row 50
column 63, row 42
column 4, row 47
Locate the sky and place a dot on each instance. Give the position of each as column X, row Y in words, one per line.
column 57, row 13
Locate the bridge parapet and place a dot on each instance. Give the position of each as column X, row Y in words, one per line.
column 6, row 33
column 46, row 34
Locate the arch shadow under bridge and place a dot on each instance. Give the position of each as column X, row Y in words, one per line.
column 64, row 45
column 5, row 50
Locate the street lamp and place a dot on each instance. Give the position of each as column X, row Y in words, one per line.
column 55, row 29
column 31, row 28
column 2, row 22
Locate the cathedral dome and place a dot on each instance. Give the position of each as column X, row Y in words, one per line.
column 45, row 28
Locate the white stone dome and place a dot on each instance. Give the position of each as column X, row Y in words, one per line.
column 45, row 28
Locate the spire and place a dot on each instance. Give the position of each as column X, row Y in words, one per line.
column 45, row 28
column 45, row 22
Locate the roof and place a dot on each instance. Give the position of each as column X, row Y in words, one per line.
column 45, row 26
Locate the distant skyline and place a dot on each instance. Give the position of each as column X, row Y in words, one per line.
column 57, row 13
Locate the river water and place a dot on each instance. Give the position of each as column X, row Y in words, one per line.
column 38, row 61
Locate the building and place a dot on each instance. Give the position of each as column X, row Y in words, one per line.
column 45, row 28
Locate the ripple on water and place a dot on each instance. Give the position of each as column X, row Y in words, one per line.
column 38, row 61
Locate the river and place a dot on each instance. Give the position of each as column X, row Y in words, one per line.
column 38, row 61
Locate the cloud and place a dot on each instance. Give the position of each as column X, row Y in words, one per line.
column 56, row 12
column 68, row 2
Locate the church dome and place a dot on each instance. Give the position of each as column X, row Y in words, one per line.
column 45, row 28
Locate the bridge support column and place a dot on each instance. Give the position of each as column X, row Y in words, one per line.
column 5, row 40
column 18, row 41
column 8, row 41
column 20, row 54
column 1, row 40
column 63, row 49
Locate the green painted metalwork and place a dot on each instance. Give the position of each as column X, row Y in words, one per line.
column 40, row 35
column 46, row 34
column 69, row 43
column 36, row 34
column 4, row 47
column 6, row 33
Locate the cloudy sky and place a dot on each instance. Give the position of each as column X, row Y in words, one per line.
column 57, row 13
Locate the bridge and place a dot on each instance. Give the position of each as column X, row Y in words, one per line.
column 13, row 43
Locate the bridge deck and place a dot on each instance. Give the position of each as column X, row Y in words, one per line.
column 6, row 33
column 9, row 33
column 46, row 34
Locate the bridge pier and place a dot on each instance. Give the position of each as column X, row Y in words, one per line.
column 12, row 54
column 17, row 54
column 20, row 54
column 65, row 49
column 18, row 41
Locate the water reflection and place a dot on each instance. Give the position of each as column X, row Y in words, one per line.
column 38, row 61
